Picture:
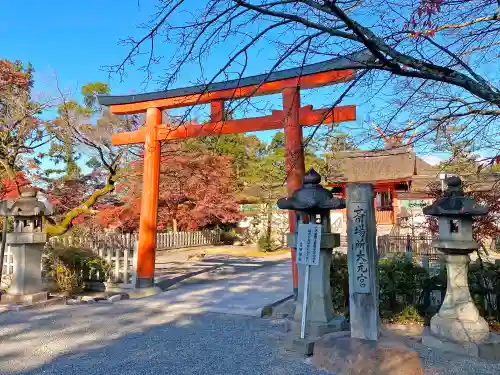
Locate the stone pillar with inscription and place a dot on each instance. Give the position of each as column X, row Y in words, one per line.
column 362, row 262
column 312, row 204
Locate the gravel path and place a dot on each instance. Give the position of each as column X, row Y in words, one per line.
column 148, row 339
column 170, row 334
column 437, row 362
column 131, row 339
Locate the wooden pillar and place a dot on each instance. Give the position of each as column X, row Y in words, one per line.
column 294, row 157
column 395, row 205
column 149, row 202
column 217, row 110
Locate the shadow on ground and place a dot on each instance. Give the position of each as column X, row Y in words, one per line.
column 140, row 339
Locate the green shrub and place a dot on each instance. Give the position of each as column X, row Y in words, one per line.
column 265, row 244
column 484, row 282
column 409, row 315
column 70, row 267
column 401, row 283
column 339, row 283
column 228, row 236
column 405, row 288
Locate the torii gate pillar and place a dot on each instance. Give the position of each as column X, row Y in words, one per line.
column 149, row 201
column 294, row 159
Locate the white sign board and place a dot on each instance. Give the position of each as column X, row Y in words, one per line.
column 308, row 244
column 337, row 220
column 359, row 248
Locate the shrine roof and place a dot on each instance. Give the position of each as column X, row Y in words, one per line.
column 352, row 61
column 395, row 164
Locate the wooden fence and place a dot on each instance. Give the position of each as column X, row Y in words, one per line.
column 179, row 240
column 416, row 246
column 120, row 252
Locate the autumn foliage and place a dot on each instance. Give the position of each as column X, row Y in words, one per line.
column 10, row 77
column 196, row 190
column 9, row 188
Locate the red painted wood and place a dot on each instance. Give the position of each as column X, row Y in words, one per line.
column 294, row 156
column 292, row 118
column 149, row 199
column 308, row 117
column 217, row 110
column 305, row 82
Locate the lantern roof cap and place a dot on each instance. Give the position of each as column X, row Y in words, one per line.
column 26, row 205
column 455, row 203
column 311, row 197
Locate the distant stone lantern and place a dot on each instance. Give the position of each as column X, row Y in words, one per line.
column 26, row 242
column 312, row 204
column 458, row 325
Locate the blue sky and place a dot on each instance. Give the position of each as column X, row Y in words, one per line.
column 70, row 39
column 74, row 40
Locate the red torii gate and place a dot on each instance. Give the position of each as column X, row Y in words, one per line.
column 291, row 118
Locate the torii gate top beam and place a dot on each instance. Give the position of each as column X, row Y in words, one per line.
column 308, row 76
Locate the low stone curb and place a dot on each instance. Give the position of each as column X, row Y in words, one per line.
column 88, row 300
column 38, row 305
column 269, row 309
column 132, row 294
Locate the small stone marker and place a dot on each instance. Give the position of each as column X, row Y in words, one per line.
column 362, row 261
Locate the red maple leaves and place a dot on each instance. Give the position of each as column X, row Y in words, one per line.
column 195, row 190
column 9, row 188
column 10, row 77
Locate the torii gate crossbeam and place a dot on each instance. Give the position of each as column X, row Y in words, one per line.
column 291, row 119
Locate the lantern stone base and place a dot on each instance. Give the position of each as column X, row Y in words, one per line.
column 315, row 330
column 460, row 330
column 304, row 347
column 27, row 278
column 489, row 348
column 29, row 299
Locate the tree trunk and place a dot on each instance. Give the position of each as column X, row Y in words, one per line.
column 174, row 225
column 4, row 242
column 269, row 226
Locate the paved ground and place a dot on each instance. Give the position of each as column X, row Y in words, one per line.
column 173, row 267
column 176, row 332
column 230, row 290
column 170, row 333
column 140, row 339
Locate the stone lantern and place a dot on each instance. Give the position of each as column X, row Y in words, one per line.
column 457, row 326
column 26, row 243
column 312, row 204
